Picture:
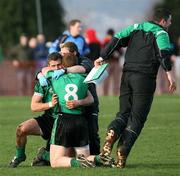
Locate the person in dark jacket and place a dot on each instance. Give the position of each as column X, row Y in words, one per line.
column 93, row 43
column 148, row 46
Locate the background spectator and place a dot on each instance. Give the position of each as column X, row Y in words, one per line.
column 114, row 67
column 73, row 34
column 21, row 61
column 93, row 43
column 41, row 52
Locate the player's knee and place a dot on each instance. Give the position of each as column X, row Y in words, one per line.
column 21, row 130
column 53, row 163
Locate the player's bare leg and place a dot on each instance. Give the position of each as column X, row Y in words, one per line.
column 59, row 157
column 29, row 127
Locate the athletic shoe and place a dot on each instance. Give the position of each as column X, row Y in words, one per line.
column 16, row 161
column 38, row 161
column 85, row 162
column 121, row 159
column 107, row 161
column 109, row 142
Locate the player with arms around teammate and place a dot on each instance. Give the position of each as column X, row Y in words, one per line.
column 148, row 46
column 84, row 65
column 70, row 129
column 42, row 100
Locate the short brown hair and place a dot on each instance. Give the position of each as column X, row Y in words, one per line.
column 71, row 46
column 73, row 22
column 69, row 60
column 161, row 13
column 54, row 57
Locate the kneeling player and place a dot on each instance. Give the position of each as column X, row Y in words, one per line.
column 70, row 129
column 42, row 100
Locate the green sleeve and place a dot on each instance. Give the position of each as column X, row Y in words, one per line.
column 162, row 39
column 38, row 89
column 126, row 31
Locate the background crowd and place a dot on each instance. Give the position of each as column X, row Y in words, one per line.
column 20, row 64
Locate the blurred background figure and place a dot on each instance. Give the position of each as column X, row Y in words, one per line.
column 176, row 60
column 73, row 34
column 41, row 52
column 114, row 69
column 33, row 59
column 93, row 43
column 21, row 62
column 32, row 48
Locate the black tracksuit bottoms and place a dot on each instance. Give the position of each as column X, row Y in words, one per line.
column 136, row 96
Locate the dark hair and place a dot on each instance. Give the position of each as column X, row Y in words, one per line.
column 69, row 60
column 73, row 22
column 54, row 57
column 161, row 13
column 110, row 32
column 71, row 46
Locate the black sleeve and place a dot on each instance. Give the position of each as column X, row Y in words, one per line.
column 114, row 44
column 87, row 64
column 165, row 60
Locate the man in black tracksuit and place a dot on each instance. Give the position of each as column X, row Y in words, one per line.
column 148, row 46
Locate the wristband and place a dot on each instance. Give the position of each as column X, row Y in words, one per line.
column 50, row 104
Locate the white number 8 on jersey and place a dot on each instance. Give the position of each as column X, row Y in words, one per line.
column 70, row 92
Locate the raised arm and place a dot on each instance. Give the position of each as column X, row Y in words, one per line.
column 119, row 40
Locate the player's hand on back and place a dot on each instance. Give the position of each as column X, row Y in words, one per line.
column 72, row 104
column 42, row 80
column 98, row 62
column 58, row 73
column 45, row 70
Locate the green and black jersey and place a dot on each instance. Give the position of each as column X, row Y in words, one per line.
column 46, row 94
column 70, row 87
column 147, row 44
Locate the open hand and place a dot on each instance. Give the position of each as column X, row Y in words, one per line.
column 98, row 62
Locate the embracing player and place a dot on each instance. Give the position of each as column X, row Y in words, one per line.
column 42, row 100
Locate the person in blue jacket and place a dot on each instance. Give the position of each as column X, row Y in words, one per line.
column 71, row 35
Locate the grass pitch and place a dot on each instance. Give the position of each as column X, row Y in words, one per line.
column 156, row 152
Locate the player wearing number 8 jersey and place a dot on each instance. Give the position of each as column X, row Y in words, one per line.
column 70, row 129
